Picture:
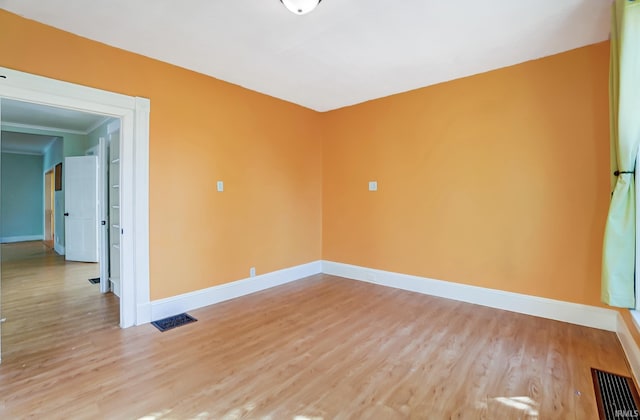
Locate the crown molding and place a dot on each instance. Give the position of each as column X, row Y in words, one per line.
column 9, row 125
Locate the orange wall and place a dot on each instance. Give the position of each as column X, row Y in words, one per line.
column 267, row 152
column 496, row 180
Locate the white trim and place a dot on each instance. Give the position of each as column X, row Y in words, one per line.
column 133, row 113
column 637, row 273
column 23, row 238
column 113, row 126
column 92, row 151
column 44, row 202
column 16, row 152
column 20, row 126
column 174, row 305
column 115, row 286
column 58, row 248
column 574, row 313
column 141, row 204
column 96, row 125
column 635, row 316
column 103, row 159
column 629, row 345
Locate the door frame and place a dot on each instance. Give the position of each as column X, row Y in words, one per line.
column 104, row 253
column 103, row 194
column 134, row 148
column 49, row 200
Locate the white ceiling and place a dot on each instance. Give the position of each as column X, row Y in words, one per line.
column 31, row 144
column 17, row 116
column 345, row 52
column 44, row 117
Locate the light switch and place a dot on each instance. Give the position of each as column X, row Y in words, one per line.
column 220, row 186
column 373, row 185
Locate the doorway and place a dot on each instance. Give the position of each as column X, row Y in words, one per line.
column 133, row 112
column 63, row 287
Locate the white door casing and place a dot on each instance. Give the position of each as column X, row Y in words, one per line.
column 103, row 190
column 134, row 154
column 81, row 208
column 49, row 206
column 115, row 231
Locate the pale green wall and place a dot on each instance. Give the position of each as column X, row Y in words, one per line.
column 54, row 154
column 100, row 131
column 21, row 206
column 73, row 144
column 69, row 145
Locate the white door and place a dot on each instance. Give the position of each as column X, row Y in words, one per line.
column 103, row 198
column 81, row 208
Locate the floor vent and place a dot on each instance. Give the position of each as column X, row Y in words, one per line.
column 95, row 281
column 173, row 322
column 616, row 396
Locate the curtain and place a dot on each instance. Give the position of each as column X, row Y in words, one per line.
column 619, row 249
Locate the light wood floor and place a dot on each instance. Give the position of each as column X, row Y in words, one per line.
column 319, row 348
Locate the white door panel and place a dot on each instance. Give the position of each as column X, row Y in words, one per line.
column 103, row 195
column 81, row 208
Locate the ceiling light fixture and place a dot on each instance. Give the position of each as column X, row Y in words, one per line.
column 300, row 7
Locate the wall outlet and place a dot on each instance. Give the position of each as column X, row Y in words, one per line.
column 252, row 272
column 373, row 185
column 220, row 186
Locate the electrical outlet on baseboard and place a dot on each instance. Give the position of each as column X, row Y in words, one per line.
column 252, row 272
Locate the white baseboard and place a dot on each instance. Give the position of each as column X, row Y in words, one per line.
column 24, row 238
column 629, row 346
column 114, row 285
column 59, row 249
column 574, row 313
column 174, row 305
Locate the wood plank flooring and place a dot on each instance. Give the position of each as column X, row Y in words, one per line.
column 44, row 298
column 319, row 348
